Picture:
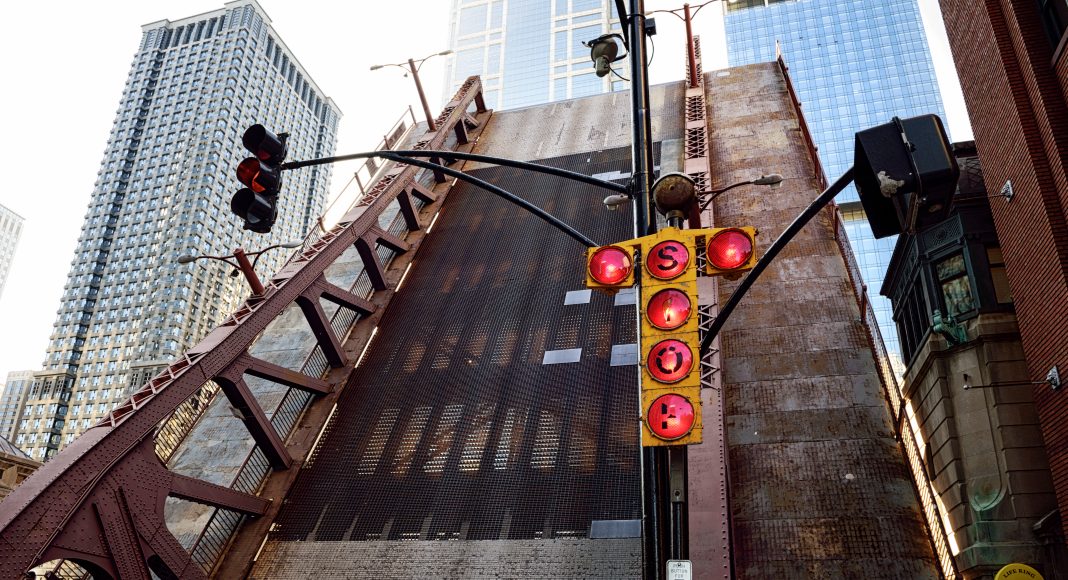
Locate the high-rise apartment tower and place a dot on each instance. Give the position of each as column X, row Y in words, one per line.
column 10, row 230
column 13, row 400
column 163, row 191
column 530, row 52
column 854, row 65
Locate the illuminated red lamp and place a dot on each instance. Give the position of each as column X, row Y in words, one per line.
column 671, row 417
column 669, row 361
column 668, row 260
column 610, row 265
column 668, row 309
column 729, row 249
column 257, row 176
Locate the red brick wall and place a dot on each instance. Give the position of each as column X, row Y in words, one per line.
column 1016, row 102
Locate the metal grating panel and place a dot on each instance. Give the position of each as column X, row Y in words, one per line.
column 452, row 428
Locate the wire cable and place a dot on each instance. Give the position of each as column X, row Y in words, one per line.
column 652, row 52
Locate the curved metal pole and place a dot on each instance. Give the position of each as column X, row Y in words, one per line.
column 717, row 193
column 572, row 175
column 223, row 259
column 544, row 215
column 773, row 250
column 414, row 69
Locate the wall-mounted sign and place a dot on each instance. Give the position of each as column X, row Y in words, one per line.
column 1018, row 572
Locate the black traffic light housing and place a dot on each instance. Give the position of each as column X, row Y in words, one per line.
column 906, row 174
column 257, row 202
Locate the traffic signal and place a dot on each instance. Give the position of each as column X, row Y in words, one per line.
column 610, row 268
column 906, row 174
column 669, row 341
column 257, row 202
column 671, row 378
column 730, row 251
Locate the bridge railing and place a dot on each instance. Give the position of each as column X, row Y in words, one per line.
column 122, row 451
column 223, row 524
column 934, row 513
column 368, row 171
column 173, row 431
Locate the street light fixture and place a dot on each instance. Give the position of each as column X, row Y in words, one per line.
column 242, row 265
column 772, row 180
column 604, row 50
column 413, row 67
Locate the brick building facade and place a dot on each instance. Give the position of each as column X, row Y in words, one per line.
column 1010, row 58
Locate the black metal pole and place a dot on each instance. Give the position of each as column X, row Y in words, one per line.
column 773, row 250
column 678, row 502
column 641, row 132
column 644, row 224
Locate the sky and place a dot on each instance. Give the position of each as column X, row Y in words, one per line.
column 67, row 61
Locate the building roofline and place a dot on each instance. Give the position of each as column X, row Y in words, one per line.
column 227, row 6
column 13, row 212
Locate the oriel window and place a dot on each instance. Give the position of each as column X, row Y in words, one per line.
column 955, row 286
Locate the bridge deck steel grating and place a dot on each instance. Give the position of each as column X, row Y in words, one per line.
column 453, row 427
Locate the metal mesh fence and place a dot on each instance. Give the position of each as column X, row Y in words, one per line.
column 454, row 427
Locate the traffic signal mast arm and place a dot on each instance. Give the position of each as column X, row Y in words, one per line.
column 544, row 215
column 406, row 156
column 575, row 176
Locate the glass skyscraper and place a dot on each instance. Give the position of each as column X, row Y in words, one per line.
column 854, row 64
column 529, row 52
column 163, row 191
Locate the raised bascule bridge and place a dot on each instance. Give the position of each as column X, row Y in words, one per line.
column 428, row 390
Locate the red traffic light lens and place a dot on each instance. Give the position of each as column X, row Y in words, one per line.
column 247, row 172
column 730, row 249
column 667, row 260
column 670, row 361
column 668, row 309
column 671, row 416
column 257, row 177
column 610, row 265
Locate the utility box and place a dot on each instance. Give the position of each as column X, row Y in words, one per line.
column 906, row 174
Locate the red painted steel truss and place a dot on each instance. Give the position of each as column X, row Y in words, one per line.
column 709, row 520
column 100, row 502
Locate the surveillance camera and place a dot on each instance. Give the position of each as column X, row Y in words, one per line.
column 613, row 202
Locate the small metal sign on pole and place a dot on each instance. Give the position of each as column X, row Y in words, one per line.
column 679, row 570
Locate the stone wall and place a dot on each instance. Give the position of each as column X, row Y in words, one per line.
column 15, row 466
column 984, row 448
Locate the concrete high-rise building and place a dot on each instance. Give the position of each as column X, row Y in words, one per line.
column 530, row 52
column 10, row 230
column 854, row 65
column 163, row 190
column 12, row 401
